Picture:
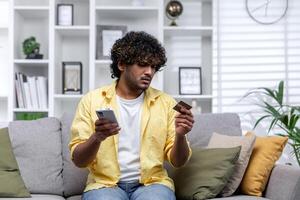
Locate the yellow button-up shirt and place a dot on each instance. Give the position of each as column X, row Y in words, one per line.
column 157, row 137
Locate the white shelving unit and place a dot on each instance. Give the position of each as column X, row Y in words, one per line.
column 136, row 9
column 67, row 97
column 205, row 31
column 72, row 43
column 69, row 31
column 27, row 62
column 189, row 44
column 29, row 18
column 29, row 110
column 31, row 3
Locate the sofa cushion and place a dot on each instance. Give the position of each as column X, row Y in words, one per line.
column 11, row 182
column 266, row 152
column 206, row 174
column 241, row 197
column 206, row 124
column 38, row 197
column 284, row 183
column 76, row 197
column 74, row 178
column 37, row 147
column 224, row 141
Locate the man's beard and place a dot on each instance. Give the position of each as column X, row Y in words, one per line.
column 140, row 84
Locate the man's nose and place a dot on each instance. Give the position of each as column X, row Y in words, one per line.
column 149, row 69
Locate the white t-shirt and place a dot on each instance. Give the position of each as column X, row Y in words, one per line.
column 129, row 137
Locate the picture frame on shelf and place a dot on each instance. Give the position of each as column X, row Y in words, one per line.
column 65, row 15
column 106, row 36
column 190, row 81
column 72, row 77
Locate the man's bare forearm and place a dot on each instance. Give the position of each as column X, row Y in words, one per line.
column 180, row 151
column 86, row 152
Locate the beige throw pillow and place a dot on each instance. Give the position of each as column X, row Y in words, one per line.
column 224, row 141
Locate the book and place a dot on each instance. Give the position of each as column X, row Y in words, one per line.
column 42, row 91
column 20, row 102
column 27, row 95
column 33, row 92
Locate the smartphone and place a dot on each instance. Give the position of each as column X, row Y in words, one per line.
column 107, row 114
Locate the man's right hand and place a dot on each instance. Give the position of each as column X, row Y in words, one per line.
column 86, row 152
column 104, row 128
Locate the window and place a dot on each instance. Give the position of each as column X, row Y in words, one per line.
column 249, row 55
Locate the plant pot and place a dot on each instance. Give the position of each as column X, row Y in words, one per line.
column 34, row 56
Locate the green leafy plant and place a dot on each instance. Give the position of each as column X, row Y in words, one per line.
column 30, row 46
column 281, row 115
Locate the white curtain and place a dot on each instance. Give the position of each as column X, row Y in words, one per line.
column 249, row 55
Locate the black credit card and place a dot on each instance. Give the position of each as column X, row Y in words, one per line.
column 181, row 104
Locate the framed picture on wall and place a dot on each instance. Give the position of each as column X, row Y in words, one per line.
column 72, row 77
column 190, row 81
column 65, row 15
column 106, row 37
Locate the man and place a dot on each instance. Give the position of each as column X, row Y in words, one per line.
column 126, row 160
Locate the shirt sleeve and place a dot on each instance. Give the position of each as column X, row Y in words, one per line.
column 82, row 126
column 171, row 133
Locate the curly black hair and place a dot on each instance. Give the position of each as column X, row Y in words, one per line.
column 137, row 47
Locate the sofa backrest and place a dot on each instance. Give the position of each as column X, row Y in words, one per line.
column 37, row 148
column 41, row 149
column 74, row 178
column 207, row 123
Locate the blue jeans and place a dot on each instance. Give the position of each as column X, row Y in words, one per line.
column 131, row 191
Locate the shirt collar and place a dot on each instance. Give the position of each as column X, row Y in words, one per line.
column 151, row 94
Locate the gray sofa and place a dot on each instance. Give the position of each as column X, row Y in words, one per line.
column 41, row 150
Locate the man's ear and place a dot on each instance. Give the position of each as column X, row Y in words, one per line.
column 121, row 66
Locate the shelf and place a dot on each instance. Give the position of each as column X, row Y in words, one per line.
column 102, row 62
column 3, row 98
column 68, row 96
column 31, row 3
column 73, row 30
column 198, row 1
column 3, row 124
column 127, row 8
column 23, row 8
column 127, row 12
column 33, row 11
column 188, row 31
column 29, row 110
column 31, row 62
column 204, row 97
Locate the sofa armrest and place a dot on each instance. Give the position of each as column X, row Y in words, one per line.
column 284, row 183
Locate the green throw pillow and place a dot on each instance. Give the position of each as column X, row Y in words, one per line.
column 11, row 182
column 206, row 174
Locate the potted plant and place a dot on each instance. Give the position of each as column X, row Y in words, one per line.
column 281, row 115
column 31, row 48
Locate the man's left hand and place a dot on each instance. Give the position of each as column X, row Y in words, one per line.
column 184, row 122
